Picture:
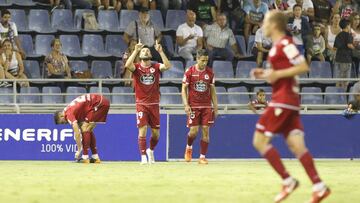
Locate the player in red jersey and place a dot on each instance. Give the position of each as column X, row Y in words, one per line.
column 200, row 101
column 282, row 114
column 82, row 114
column 146, row 83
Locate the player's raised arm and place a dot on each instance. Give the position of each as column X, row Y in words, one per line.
column 166, row 65
column 130, row 62
column 214, row 99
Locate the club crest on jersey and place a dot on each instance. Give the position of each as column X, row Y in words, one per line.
column 147, row 79
column 152, row 70
column 200, row 86
column 206, row 76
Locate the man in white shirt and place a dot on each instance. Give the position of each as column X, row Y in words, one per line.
column 261, row 47
column 8, row 30
column 189, row 37
column 307, row 6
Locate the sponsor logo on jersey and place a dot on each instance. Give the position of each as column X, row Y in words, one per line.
column 152, row 70
column 147, row 79
column 200, row 86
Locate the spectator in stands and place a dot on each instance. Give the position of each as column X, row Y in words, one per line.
column 254, row 15
column 331, row 32
column 54, row 3
column 205, row 11
column 189, row 37
column 353, row 105
column 260, row 102
column 280, row 5
column 355, row 31
column 343, row 61
column 127, row 4
column 306, row 5
column 345, row 8
column 56, row 62
column 12, row 63
column 322, row 11
column 300, row 29
column 81, row 4
column 217, row 37
column 234, row 11
column 8, row 30
column 318, row 45
column 149, row 4
column 145, row 31
column 261, row 47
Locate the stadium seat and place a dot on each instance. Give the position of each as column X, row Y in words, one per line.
column 93, row 45
column 43, row 44
column 222, row 98
column 6, row 99
column 62, row 19
column 320, row 69
column 176, row 71
column 123, row 99
column 250, row 44
column 39, row 21
column 243, row 70
column 157, row 19
column 5, row 3
column 241, row 44
column 108, row 20
column 311, row 98
column 104, row 91
column 238, row 98
column 169, row 45
column 74, row 92
column 267, row 89
column 28, row 46
column 52, row 99
column 71, row 46
column 115, row 45
column 127, row 16
column 189, row 64
column 101, row 69
column 29, row 3
column 78, row 17
column 32, row 71
column 335, row 99
column 170, row 99
column 31, row 99
column 18, row 16
column 223, row 69
column 174, row 18
column 79, row 66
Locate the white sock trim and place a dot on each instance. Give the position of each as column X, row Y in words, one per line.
column 95, row 156
column 288, row 181
column 202, row 156
column 188, row 147
column 318, row 186
column 85, row 156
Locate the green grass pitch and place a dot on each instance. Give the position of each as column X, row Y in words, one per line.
column 169, row 182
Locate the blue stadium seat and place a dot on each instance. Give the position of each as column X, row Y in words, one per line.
column 238, row 98
column 169, row 45
column 222, row 98
column 32, row 69
column 310, row 98
column 6, row 99
column 241, row 44
column 43, row 44
column 115, row 45
column 32, row 99
column 174, row 18
column 223, row 69
column 93, row 45
column 18, row 16
column 5, row 3
column 320, row 69
column 189, row 64
column 267, row 89
column 52, row 99
column 157, row 19
column 335, row 99
column 243, row 70
column 123, row 99
column 75, row 91
column 101, row 69
column 71, row 46
column 176, row 71
column 250, row 44
column 39, row 21
column 80, row 66
column 127, row 16
column 104, row 91
column 62, row 19
column 108, row 20
column 29, row 3
column 170, row 99
column 78, row 16
column 118, row 69
column 27, row 45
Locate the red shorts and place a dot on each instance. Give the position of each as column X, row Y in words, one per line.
column 201, row 116
column 99, row 114
column 148, row 115
column 279, row 120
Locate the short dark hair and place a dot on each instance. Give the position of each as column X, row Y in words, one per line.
column 297, row 5
column 344, row 23
column 260, row 91
column 57, row 116
column 5, row 12
column 201, row 52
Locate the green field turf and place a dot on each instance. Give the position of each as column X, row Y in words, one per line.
column 172, row 182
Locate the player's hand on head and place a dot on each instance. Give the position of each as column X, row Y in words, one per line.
column 158, row 47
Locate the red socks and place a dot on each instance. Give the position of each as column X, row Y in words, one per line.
column 142, row 145
column 273, row 157
column 203, row 147
column 190, row 139
column 153, row 142
column 93, row 144
column 86, row 140
column 308, row 163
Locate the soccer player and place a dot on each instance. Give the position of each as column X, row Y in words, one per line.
column 282, row 114
column 260, row 102
column 82, row 114
column 200, row 101
column 146, row 83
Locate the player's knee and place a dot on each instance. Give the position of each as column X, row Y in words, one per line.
column 194, row 131
column 155, row 133
column 142, row 131
column 297, row 149
column 259, row 144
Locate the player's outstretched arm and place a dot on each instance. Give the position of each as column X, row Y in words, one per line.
column 130, row 62
column 184, row 96
column 166, row 65
column 214, row 99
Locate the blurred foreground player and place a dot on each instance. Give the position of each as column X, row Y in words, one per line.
column 199, row 97
column 82, row 114
column 282, row 114
column 147, row 91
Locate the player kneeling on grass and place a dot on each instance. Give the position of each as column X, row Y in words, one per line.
column 282, row 114
column 147, row 92
column 82, row 114
column 201, row 106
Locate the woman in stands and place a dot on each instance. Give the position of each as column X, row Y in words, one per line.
column 11, row 64
column 333, row 30
column 355, row 31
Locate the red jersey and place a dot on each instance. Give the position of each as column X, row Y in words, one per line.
column 283, row 55
column 146, row 83
column 199, row 86
column 84, row 107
